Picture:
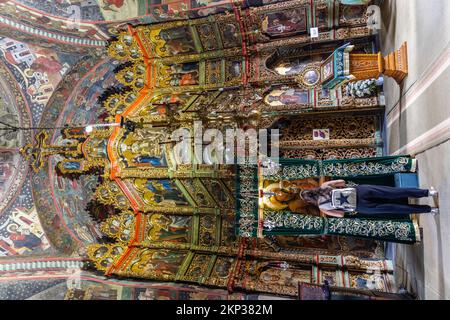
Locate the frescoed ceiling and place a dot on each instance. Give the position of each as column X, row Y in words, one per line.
column 62, row 201
column 29, row 75
column 85, row 25
column 64, row 225
column 12, row 112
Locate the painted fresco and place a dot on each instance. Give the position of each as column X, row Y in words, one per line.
column 10, row 160
column 119, row 9
column 76, row 26
column 21, row 233
column 38, row 70
column 62, row 206
column 352, row 14
column 24, row 289
column 91, row 287
column 83, row 9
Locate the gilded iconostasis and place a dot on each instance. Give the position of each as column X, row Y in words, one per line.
column 121, row 214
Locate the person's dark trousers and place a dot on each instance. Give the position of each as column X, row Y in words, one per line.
column 373, row 199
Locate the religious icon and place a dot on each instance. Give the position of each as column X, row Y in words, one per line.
column 222, row 268
column 159, row 263
column 327, row 69
column 285, row 195
column 170, row 228
column 7, row 168
column 106, row 262
column 352, row 12
column 72, row 165
column 321, row 134
column 291, row 66
column 176, row 41
column 230, row 35
column 116, row 250
column 287, row 97
column 175, row 47
column 100, row 252
column 282, row 274
column 309, row 77
column 314, row 242
column 234, row 69
column 183, row 74
column 165, row 192
column 285, row 23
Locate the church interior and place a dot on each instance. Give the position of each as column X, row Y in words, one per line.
column 116, row 182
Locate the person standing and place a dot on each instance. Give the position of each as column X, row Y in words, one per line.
column 334, row 199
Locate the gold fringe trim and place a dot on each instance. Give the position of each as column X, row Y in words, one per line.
column 413, row 165
column 416, row 229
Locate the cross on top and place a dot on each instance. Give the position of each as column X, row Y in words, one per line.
column 38, row 152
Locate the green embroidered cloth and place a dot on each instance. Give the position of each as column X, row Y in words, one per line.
column 253, row 221
column 288, row 223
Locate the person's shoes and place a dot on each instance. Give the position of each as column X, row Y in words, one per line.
column 434, row 211
column 433, row 192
